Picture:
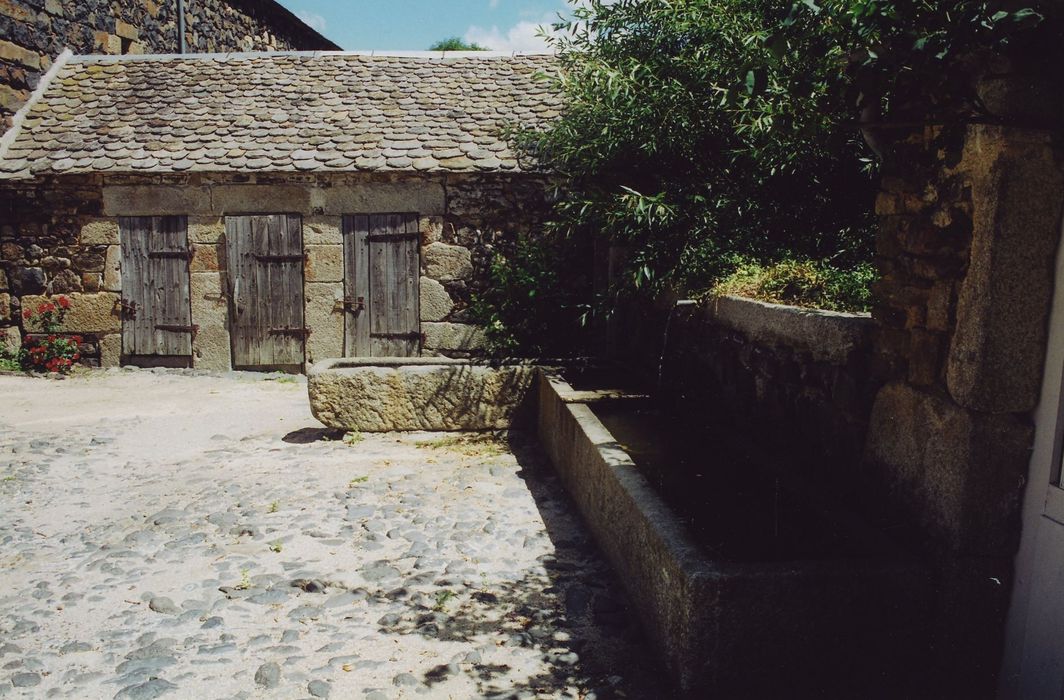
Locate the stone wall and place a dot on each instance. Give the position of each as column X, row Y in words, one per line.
column 62, row 236
column 970, row 223
column 798, row 378
column 34, row 32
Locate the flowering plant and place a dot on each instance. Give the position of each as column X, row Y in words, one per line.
column 49, row 352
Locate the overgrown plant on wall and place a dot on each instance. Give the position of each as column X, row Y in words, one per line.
column 706, row 136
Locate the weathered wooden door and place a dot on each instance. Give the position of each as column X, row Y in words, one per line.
column 156, row 303
column 381, row 278
column 265, row 262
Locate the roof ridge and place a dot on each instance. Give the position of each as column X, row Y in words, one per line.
column 439, row 55
column 20, row 116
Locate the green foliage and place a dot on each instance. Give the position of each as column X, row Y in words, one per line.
column 697, row 131
column 535, row 301
column 702, row 134
column 809, row 283
column 455, row 43
column 920, row 53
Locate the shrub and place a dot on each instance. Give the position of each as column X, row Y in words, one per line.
column 702, row 134
column 46, row 350
column 810, row 283
column 535, row 299
column 697, row 131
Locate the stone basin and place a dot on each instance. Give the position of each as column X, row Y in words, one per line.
column 839, row 614
column 407, row 394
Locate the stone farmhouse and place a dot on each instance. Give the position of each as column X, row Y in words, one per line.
column 33, row 32
column 267, row 210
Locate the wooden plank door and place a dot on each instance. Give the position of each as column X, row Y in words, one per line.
column 381, row 278
column 156, row 299
column 265, row 254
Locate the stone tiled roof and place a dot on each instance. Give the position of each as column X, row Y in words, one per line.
column 278, row 112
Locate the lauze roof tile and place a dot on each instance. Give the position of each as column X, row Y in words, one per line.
column 279, row 112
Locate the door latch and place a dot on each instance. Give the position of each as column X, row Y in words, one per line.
column 354, row 305
column 126, row 309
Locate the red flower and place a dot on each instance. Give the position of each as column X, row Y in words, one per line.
column 77, row 339
column 27, row 314
column 51, row 339
column 64, row 302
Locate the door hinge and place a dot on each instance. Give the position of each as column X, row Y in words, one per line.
column 281, row 258
column 387, row 238
column 193, row 330
column 301, row 332
column 413, row 335
column 174, row 254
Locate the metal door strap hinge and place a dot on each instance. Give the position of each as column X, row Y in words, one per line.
column 399, row 336
column 387, row 238
column 304, row 332
column 177, row 254
column 193, row 330
column 281, row 258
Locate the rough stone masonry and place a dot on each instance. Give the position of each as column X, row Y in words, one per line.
column 34, row 32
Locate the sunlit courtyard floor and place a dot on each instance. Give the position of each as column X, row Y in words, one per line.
column 165, row 535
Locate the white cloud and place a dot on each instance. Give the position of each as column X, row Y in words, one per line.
column 523, row 36
column 493, row 4
column 313, row 20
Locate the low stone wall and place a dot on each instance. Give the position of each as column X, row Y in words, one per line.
column 799, row 377
column 373, row 395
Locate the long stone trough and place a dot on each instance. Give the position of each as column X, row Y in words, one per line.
column 822, row 628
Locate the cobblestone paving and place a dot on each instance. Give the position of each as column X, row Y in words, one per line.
column 181, row 536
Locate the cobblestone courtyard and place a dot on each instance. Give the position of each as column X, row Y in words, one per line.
column 203, row 537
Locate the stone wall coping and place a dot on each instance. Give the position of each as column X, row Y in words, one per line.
column 829, row 336
column 355, row 363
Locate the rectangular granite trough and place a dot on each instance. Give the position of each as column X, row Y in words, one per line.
column 750, row 627
column 405, row 394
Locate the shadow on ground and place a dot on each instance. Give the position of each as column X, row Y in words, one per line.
column 574, row 613
column 306, row 436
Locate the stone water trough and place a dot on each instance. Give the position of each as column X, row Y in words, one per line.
column 804, row 622
column 376, row 395
column 808, row 621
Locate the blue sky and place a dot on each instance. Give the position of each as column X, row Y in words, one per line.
column 411, row 25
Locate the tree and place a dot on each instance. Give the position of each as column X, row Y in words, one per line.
column 455, row 43
column 710, row 137
column 700, row 133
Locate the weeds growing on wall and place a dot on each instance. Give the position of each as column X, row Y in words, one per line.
column 810, row 283
column 705, row 134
